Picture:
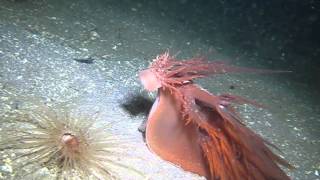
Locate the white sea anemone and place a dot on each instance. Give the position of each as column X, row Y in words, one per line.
column 40, row 142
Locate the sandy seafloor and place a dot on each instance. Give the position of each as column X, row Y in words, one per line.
column 40, row 39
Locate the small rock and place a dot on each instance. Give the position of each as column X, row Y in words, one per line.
column 94, row 35
column 52, row 18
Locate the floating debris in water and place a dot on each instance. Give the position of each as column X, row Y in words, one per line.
column 41, row 141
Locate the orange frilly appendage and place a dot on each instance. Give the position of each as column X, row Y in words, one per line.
column 202, row 132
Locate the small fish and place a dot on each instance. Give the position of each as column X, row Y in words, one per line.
column 88, row 60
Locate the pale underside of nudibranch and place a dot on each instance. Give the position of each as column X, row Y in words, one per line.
column 202, row 132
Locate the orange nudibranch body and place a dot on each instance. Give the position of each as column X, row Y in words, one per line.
column 199, row 131
column 171, row 138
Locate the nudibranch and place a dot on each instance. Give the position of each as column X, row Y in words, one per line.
column 202, row 132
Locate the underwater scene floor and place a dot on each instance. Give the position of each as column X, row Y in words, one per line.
column 87, row 55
